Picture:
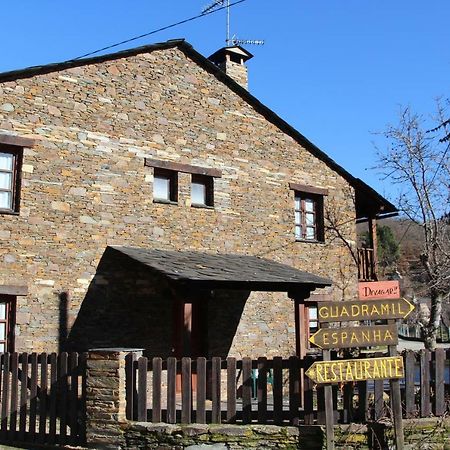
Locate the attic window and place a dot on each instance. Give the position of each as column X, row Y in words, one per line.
column 202, row 190
column 165, row 186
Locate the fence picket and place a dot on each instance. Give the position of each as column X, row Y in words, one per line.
column 262, row 390
column 410, row 365
column 231, row 390
column 130, row 386
column 294, row 390
column 201, row 390
column 73, row 397
column 33, row 395
column 171, row 390
column 215, row 390
column 278, row 390
column 156, row 387
column 23, row 396
column 43, row 398
column 5, row 396
column 61, row 387
column 142, row 389
column 53, row 397
column 308, row 395
column 439, row 382
column 425, row 406
column 246, row 390
column 14, row 396
column 186, row 390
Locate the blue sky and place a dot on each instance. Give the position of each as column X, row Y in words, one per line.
column 337, row 70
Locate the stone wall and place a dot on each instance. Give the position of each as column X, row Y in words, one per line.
column 85, row 187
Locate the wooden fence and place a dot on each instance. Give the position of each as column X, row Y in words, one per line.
column 274, row 391
column 42, row 398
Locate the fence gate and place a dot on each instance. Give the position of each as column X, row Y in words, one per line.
column 42, row 398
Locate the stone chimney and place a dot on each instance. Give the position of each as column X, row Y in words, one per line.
column 232, row 61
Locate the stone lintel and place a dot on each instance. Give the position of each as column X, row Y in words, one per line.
column 185, row 168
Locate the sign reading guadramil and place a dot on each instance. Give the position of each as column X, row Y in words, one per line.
column 364, row 310
column 346, row 370
column 327, row 338
column 371, row 290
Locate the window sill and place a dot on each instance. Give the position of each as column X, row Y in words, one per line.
column 165, row 202
column 199, row 205
column 8, row 212
column 309, row 241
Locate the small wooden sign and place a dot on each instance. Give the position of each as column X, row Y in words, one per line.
column 345, row 370
column 364, row 310
column 376, row 335
column 378, row 290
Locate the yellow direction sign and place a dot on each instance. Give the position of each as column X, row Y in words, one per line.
column 355, row 336
column 344, row 370
column 398, row 308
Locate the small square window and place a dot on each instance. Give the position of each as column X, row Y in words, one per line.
column 10, row 166
column 202, row 190
column 309, row 217
column 165, row 185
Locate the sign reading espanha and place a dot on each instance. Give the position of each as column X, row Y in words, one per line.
column 371, row 290
column 328, row 338
column 345, row 370
column 364, row 310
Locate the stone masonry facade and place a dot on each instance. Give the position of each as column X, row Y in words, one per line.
column 85, row 186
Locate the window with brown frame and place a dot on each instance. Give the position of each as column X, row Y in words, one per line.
column 202, row 190
column 165, row 186
column 309, row 224
column 10, row 169
column 7, row 322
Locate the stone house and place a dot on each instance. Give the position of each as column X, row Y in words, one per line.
column 113, row 167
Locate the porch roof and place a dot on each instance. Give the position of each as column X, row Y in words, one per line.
column 228, row 271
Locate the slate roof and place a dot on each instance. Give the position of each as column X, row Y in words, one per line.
column 368, row 201
column 223, row 270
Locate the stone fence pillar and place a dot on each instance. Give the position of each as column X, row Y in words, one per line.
column 106, row 397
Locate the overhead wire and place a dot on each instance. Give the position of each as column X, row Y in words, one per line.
column 135, row 38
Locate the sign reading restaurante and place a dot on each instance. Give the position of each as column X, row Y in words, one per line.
column 346, row 370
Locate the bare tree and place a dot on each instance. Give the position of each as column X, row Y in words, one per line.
column 417, row 162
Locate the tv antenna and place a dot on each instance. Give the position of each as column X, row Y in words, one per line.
column 234, row 40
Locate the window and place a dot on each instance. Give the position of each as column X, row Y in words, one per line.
column 10, row 165
column 202, row 190
column 165, row 185
column 7, row 322
column 309, row 217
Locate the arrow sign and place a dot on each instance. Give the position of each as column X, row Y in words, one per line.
column 344, row 370
column 376, row 335
column 364, row 310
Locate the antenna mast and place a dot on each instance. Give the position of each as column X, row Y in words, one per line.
column 230, row 40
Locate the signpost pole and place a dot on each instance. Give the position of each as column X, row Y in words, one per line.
column 396, row 404
column 329, row 413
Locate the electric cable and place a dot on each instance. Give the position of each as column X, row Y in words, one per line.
column 126, row 41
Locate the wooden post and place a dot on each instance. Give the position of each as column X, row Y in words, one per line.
column 301, row 334
column 329, row 413
column 396, row 402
